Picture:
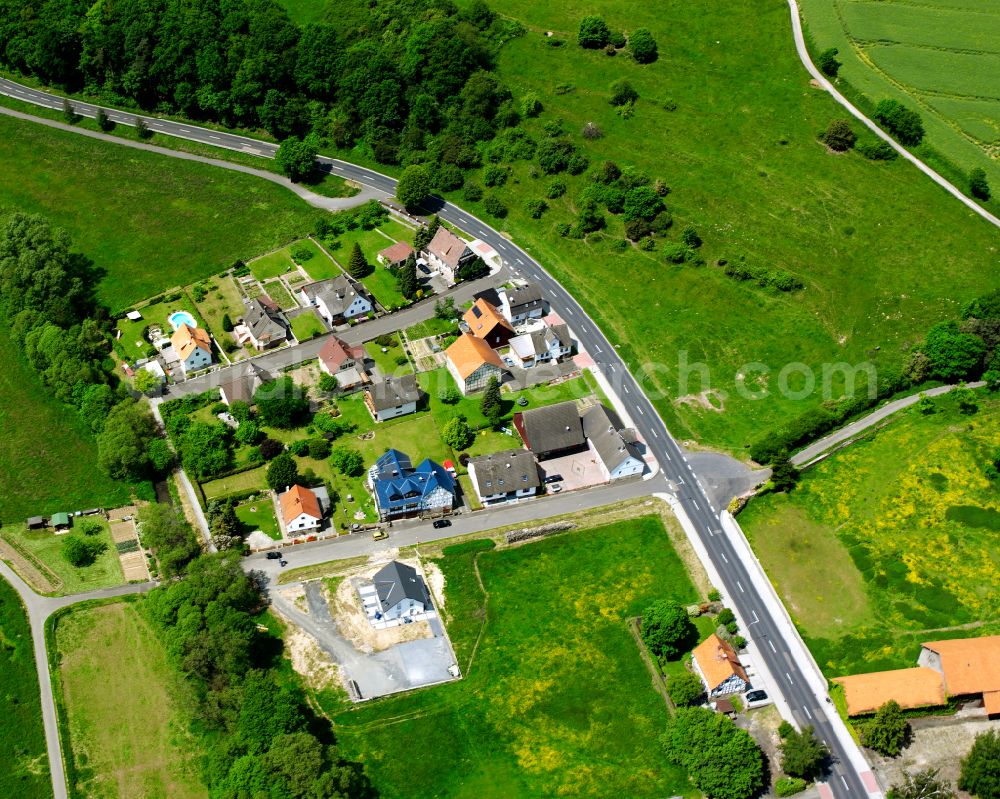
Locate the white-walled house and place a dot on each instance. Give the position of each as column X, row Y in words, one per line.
column 446, row 252
column 472, row 362
column 400, row 591
column 193, row 348
column 522, row 303
column 715, row 661
column 337, row 299
column 549, row 344
column 300, row 510
column 392, row 397
column 505, row 476
column 612, row 443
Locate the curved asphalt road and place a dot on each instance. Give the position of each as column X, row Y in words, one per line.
column 781, row 657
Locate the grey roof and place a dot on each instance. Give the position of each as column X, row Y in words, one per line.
column 524, row 298
column 505, row 471
column 611, row 439
column 337, row 293
column 560, row 332
column 397, row 582
column 265, row 324
column 391, row 392
column 541, row 340
column 244, row 383
column 553, row 427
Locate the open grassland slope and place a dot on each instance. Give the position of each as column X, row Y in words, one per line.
column 149, row 222
column 555, row 699
column 46, row 457
column 940, row 57
column 122, row 701
column 24, row 770
column 891, row 540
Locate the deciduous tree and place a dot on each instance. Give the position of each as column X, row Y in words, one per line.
column 282, row 472
column 456, row 433
column 980, row 773
column 667, row 630
column 414, row 186
column 643, row 46
column 888, row 731
column 593, row 33
column 803, row 754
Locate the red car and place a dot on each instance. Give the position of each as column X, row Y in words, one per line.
column 450, row 468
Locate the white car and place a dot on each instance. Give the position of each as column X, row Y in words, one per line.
column 756, row 698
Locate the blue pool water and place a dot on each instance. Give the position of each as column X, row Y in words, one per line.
column 178, row 318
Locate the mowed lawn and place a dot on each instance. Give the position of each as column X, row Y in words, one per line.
column 148, row 221
column 47, row 547
column 556, row 701
column 127, row 733
column 24, row 766
column 891, row 540
column 46, row 457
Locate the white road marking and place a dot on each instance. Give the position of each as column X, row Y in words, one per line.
column 755, row 619
column 625, row 389
column 214, row 137
column 519, row 261
column 657, row 435
column 641, row 411
column 843, row 780
column 810, row 715
column 771, row 644
column 724, row 557
column 740, row 586
column 789, row 676
column 695, row 504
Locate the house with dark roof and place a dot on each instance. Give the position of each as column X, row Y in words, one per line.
column 337, row 299
column 400, row 591
column 402, row 491
column 521, row 303
column 266, row 325
column 446, row 252
column 485, row 321
column 552, row 431
column 549, row 344
column 472, row 362
column 392, row 396
column 344, row 361
column 505, row 476
column 394, row 256
column 242, row 384
column 612, row 443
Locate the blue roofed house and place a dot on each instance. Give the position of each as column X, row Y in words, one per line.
column 401, row 490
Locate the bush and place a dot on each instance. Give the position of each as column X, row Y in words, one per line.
column 450, row 395
column 494, row 175
column 803, row 754
column 269, row 448
column 789, row 786
column 622, row 92
column 900, row 121
column 555, row 189
column 827, row 62
column 685, row 689
column 319, row 448
column 299, row 448
column 675, row 253
column 839, row 136
column 978, row 187
column 875, row 149
column 888, row 731
column 494, row 207
column 535, row 208
column 472, row 192
column 448, row 177
column 643, row 46
column 690, row 236
column 726, row 616
column 591, row 131
column 227, row 323
column 593, row 33
column 302, row 254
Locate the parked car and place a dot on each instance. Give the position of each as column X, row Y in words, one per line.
column 757, row 698
column 273, row 556
column 553, row 478
column 379, row 534
column 440, row 523
column 555, row 488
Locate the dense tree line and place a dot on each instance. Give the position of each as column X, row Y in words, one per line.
column 412, row 78
column 259, row 736
column 47, row 303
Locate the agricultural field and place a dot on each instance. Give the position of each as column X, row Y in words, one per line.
column 24, row 769
column 127, row 735
column 890, row 540
column 42, row 474
column 939, row 57
column 145, row 220
column 555, row 698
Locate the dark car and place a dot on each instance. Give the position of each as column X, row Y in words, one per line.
column 553, row 478
column 423, row 268
column 439, row 523
column 274, row 556
column 282, row 562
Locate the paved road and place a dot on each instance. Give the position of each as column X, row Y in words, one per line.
column 820, row 78
column 39, row 609
column 845, row 434
column 787, row 658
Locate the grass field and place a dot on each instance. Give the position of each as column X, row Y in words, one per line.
column 46, row 546
column 556, row 701
column 381, row 283
column 24, row 770
column 148, row 221
column 127, row 735
column 386, row 361
column 259, row 515
column 46, row 458
column 938, row 56
column 273, row 264
column 888, row 538
column 277, row 292
column 307, row 325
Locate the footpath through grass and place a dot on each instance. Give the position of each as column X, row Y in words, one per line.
column 891, row 541
column 127, row 735
column 24, row 765
column 557, row 701
column 147, row 221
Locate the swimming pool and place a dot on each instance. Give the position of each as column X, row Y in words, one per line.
column 178, row 318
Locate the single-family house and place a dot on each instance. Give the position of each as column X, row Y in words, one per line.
column 446, row 252
column 484, row 321
column 193, row 348
column 612, row 443
column 400, row 591
column 242, row 384
column 552, row 431
column 969, row 667
column 547, row 345
column 910, row 688
column 300, row 510
column 715, row 661
column 392, row 396
column 401, row 490
column 395, row 256
column 265, row 324
column 505, row 476
column 472, row 362
column 337, row 299
column 521, row 303
column 346, row 362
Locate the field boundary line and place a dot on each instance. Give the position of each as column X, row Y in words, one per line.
column 800, row 47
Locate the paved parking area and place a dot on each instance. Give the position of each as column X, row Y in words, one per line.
column 578, row 471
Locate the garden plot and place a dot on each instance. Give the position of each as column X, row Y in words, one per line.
column 126, row 541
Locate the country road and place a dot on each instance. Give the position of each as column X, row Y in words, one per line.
column 783, row 654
